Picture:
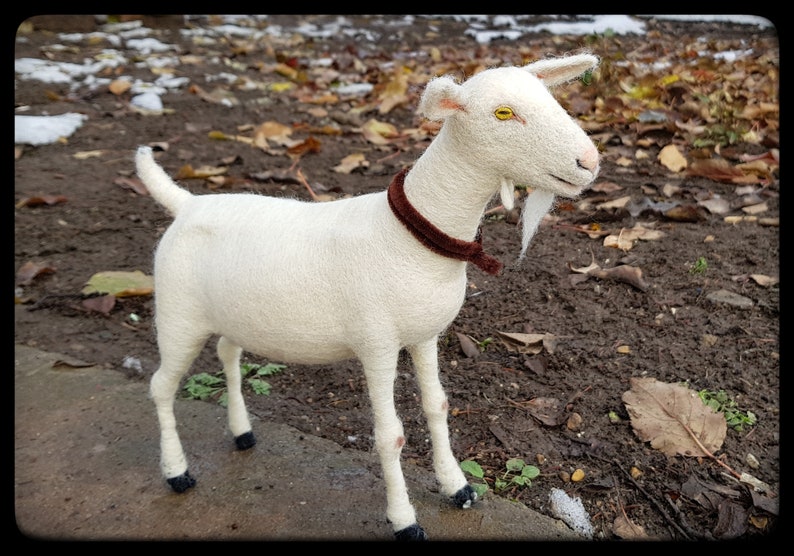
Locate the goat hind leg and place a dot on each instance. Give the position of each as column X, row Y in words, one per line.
column 436, row 408
column 229, row 354
column 175, row 359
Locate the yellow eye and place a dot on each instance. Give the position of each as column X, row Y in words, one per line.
column 503, row 113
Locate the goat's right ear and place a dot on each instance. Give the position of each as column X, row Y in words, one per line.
column 554, row 71
column 442, row 98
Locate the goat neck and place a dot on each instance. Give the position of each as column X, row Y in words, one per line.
column 449, row 191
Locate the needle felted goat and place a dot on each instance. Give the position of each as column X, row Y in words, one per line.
column 365, row 276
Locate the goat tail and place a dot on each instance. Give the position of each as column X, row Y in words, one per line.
column 160, row 185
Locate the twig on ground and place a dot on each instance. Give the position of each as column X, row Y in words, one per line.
column 687, row 534
column 305, row 183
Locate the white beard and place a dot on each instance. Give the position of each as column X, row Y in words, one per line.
column 536, row 205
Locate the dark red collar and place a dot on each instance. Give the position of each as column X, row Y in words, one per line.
column 433, row 238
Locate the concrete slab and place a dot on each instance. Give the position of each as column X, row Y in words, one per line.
column 86, row 468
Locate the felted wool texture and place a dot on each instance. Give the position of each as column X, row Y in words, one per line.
column 436, row 408
column 537, row 204
column 299, row 282
column 540, row 147
column 433, row 238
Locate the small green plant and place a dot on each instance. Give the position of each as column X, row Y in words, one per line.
column 517, row 474
column 587, row 77
column 203, row 386
column 475, row 470
column 483, row 345
column 721, row 402
column 731, row 126
column 700, row 266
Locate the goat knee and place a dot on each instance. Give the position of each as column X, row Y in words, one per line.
column 390, row 444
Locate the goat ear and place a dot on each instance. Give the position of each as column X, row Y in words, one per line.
column 442, row 98
column 554, row 71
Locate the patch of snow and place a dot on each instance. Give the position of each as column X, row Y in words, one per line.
column 44, row 130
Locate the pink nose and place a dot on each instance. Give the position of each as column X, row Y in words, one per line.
column 589, row 160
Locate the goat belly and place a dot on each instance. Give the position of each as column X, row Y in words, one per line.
column 303, row 282
column 319, row 331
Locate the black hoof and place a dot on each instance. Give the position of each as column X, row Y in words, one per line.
column 411, row 533
column 245, row 441
column 182, row 482
column 465, row 497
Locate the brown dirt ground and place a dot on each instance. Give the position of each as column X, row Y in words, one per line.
column 673, row 331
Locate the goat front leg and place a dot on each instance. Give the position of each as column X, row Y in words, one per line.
column 380, row 371
column 436, row 407
column 239, row 424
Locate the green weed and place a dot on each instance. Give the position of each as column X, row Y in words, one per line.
column 475, row 470
column 483, row 345
column 203, row 386
column 721, row 402
column 700, row 266
column 517, row 474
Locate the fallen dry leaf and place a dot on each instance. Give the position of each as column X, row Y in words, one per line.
column 673, row 418
column 763, row 280
column 716, row 205
column 134, row 184
column 120, row 86
column 82, row 155
column 528, row 343
column 627, row 238
column 101, row 304
column 685, row 213
column 187, row 172
column 738, row 219
column 584, row 269
column 395, row 92
column 622, row 273
column 549, row 411
column 715, row 169
column 310, row 145
column 70, row 364
column 378, row 133
column 606, row 187
column 216, row 96
column 626, row 529
column 38, row 200
column 281, row 86
column 468, row 346
column 30, row 270
column 275, row 132
column 120, row 283
column 616, row 203
column 221, row 136
column 286, row 71
column 755, row 209
column 672, row 158
column 351, row 162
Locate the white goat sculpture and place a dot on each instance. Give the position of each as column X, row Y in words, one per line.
column 365, row 276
